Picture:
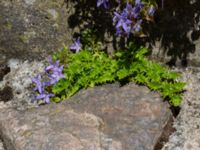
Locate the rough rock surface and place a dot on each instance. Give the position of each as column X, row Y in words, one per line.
column 31, row 28
column 17, row 83
column 107, row 117
column 187, row 124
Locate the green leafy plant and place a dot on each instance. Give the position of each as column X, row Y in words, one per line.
column 84, row 69
column 90, row 41
column 143, row 71
column 90, row 68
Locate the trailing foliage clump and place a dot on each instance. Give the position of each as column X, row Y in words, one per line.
column 83, row 69
column 89, row 68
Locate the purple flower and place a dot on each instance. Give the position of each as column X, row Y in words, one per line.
column 76, row 46
column 122, row 22
column 54, row 67
column 39, row 84
column 151, row 10
column 137, row 27
column 127, row 21
column 102, row 2
column 137, row 2
column 45, row 97
column 54, row 72
column 55, row 78
column 137, row 9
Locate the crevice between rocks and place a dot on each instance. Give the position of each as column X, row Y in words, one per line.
column 7, row 144
column 168, row 129
column 4, row 69
column 6, row 93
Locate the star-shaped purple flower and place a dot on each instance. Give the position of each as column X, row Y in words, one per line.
column 54, row 72
column 76, row 46
column 122, row 22
column 39, row 84
column 151, row 10
column 45, row 97
column 137, row 27
column 102, row 2
column 128, row 21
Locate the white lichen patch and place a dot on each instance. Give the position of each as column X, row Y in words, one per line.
column 30, row 2
column 20, row 80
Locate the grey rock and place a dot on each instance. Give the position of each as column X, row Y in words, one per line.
column 187, row 123
column 1, row 145
column 16, row 87
column 107, row 117
column 31, row 29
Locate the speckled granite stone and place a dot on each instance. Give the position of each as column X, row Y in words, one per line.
column 107, row 117
column 187, row 124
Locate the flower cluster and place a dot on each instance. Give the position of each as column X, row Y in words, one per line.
column 54, row 74
column 129, row 20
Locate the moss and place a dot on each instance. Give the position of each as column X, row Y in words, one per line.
column 27, row 133
column 8, row 26
column 27, row 36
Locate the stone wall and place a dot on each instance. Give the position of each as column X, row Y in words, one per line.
column 34, row 28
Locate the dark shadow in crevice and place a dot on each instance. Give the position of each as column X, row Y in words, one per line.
column 175, row 110
column 6, row 94
column 176, row 28
column 4, row 69
column 167, row 131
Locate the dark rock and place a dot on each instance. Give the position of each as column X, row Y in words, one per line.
column 167, row 131
column 4, row 69
column 31, row 29
column 6, row 94
column 107, row 117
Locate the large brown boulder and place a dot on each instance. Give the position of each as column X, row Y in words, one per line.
column 107, row 117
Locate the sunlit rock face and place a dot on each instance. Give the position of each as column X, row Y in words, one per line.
column 107, row 117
